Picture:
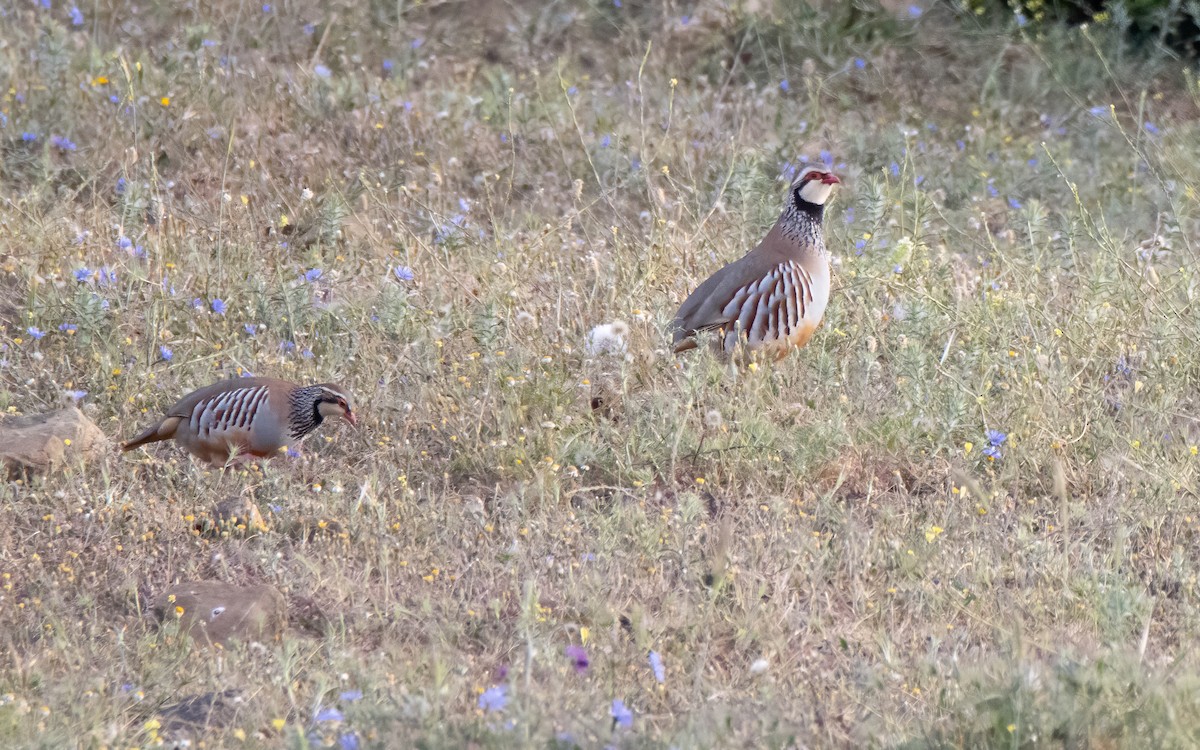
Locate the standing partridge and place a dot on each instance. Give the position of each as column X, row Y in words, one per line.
column 773, row 297
column 247, row 417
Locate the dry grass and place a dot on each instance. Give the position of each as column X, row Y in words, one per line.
column 1011, row 259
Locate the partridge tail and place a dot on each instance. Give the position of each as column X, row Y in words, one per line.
column 164, row 430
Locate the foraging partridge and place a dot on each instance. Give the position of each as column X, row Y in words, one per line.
column 773, row 298
column 247, row 416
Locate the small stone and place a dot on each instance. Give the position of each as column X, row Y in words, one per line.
column 216, row 612
column 34, row 443
column 238, row 515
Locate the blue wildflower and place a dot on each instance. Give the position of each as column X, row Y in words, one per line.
column 388, row 65
column 82, row 274
column 218, row 306
column 494, row 698
column 416, row 43
column 1021, row 19
column 1098, row 111
column 579, row 658
column 62, row 143
column 77, row 396
column 992, row 453
column 35, row 332
column 894, row 168
column 68, row 327
column 572, row 91
column 165, row 353
column 621, row 714
column 322, row 71
column 329, row 714
column 108, row 277
column 897, row 269
column 292, row 453
column 605, row 142
column 351, row 695
column 656, row 666
column 250, row 328
column 860, row 63
column 76, row 16
column 1151, row 128
column 784, row 85
column 121, row 185
column 287, row 347
column 307, row 353
column 826, row 157
column 403, row 273
column 995, row 437
column 914, row 11
column 348, row 741
column 313, row 274
column 266, row 8
column 28, row 136
column 309, row 29
column 1013, row 203
column 124, row 243
column 991, row 187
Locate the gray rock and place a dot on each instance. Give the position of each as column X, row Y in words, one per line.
column 192, row 715
column 215, row 612
column 34, row 443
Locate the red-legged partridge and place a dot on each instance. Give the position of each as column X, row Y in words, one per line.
column 773, row 297
column 247, row 417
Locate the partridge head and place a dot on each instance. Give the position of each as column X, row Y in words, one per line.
column 255, row 417
column 772, row 299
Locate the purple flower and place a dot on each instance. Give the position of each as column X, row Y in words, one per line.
column 328, row 714
column 76, row 16
column 621, row 714
column 1098, row 111
column 416, row 43
column 656, row 666
column 165, row 352
column 995, row 437
column 348, row 741
column 494, row 698
column 1013, row 203
column 35, row 332
column 309, row 29
column 267, row 8
column 351, row 695
column 322, row 71
column 313, row 274
column 914, row 11
column 572, row 91
column 307, row 353
column 616, row 3
column 579, row 658
column 82, row 274
column 66, row 144
column 292, row 453
column 218, row 306
column 860, row 63
column 897, row 269
column 1151, row 128
column 121, row 185
column 826, row 157
column 403, row 273
column 77, row 396
column 1021, row 19
column 388, row 65
column 108, row 277
column 124, row 243
column 894, row 168
column 250, row 329
column 784, row 85
column 992, row 191
column 27, row 136
column 68, row 328
column 605, row 142
column 992, row 452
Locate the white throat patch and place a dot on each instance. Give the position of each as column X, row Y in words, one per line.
column 816, row 192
